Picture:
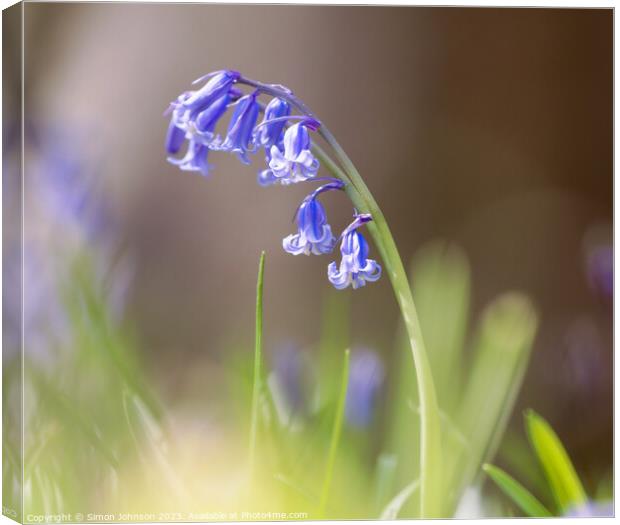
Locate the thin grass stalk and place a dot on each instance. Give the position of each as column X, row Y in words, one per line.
column 335, row 438
column 257, row 381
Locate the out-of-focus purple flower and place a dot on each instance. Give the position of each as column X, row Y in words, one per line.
column 239, row 138
column 69, row 187
column 592, row 509
column 355, row 267
column 314, row 234
column 294, row 162
column 584, row 362
column 600, row 268
column 365, row 381
column 292, row 379
column 269, row 131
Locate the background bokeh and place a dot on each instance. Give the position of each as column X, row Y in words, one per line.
column 488, row 127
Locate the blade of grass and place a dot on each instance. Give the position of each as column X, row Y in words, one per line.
column 501, row 353
column 63, row 407
column 517, row 492
column 335, row 438
column 393, row 507
column 385, row 474
column 565, row 484
column 516, row 454
column 287, row 482
column 441, row 274
column 333, row 340
column 257, row 383
column 150, row 441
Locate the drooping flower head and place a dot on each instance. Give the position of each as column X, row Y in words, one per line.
column 174, row 138
column 239, row 138
column 294, row 162
column 313, row 235
column 196, row 113
column 195, row 159
column 270, row 130
column 219, row 83
column 208, row 118
column 355, row 267
column 285, row 138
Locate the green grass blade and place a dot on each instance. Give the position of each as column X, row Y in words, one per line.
column 501, row 353
column 335, row 437
column 64, row 408
column 441, row 289
column 515, row 453
column 517, row 492
column 258, row 350
column 333, row 341
column 393, row 507
column 565, row 484
column 385, row 474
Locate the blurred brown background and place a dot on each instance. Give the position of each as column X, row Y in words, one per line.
column 489, row 127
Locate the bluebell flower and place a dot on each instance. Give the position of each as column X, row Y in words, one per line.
column 239, row 138
column 208, row 118
column 313, row 235
column 174, row 138
column 195, row 159
column 355, row 267
column 288, row 154
column 293, row 161
column 219, row 83
column 266, row 177
column 365, row 380
column 197, row 112
column 269, row 131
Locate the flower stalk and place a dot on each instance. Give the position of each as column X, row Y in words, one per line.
column 430, row 453
column 292, row 157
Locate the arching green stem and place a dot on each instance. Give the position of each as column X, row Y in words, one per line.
column 430, row 439
column 430, row 453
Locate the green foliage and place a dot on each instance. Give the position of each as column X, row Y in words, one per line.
column 335, row 435
column 76, row 437
column 393, row 507
column 517, row 492
column 258, row 358
column 563, row 480
column 477, row 389
column 95, row 412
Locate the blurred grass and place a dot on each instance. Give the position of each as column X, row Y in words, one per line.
column 257, row 381
column 563, row 480
column 478, row 377
column 335, row 436
column 570, row 498
column 76, row 435
column 521, row 496
column 96, row 428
